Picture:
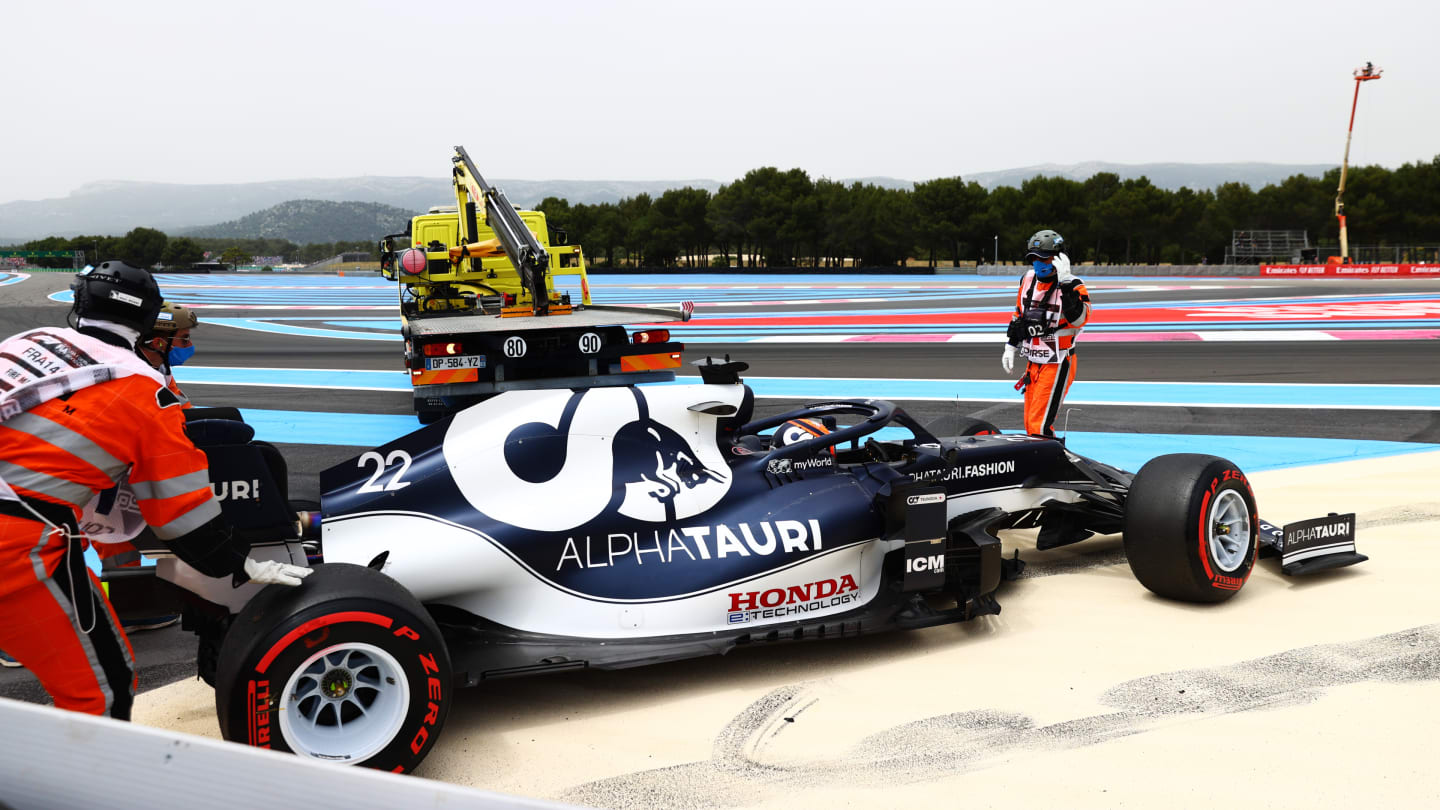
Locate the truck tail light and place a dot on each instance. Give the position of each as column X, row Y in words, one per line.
column 651, row 336
column 438, row 349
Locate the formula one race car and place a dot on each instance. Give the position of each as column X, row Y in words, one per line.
column 612, row 527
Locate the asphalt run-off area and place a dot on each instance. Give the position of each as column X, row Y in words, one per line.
column 1086, row 690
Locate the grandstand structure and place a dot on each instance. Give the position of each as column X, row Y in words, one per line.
column 1259, row 247
column 22, row 257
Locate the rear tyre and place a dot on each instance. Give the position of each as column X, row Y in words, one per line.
column 1191, row 527
column 970, row 426
column 348, row 668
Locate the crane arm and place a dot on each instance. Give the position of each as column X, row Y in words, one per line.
column 530, row 258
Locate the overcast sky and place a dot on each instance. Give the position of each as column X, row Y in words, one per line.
column 196, row 92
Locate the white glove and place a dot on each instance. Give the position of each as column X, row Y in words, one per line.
column 1007, row 360
column 1062, row 268
column 271, row 572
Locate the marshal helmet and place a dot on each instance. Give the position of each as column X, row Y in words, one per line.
column 118, row 292
column 1044, row 244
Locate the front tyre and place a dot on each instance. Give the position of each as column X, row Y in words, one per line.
column 1191, row 527
column 346, row 668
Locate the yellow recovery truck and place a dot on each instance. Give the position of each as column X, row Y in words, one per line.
column 480, row 313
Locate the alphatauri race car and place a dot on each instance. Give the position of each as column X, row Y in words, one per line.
column 546, row 530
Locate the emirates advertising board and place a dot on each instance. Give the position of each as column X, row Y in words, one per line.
column 1351, row 270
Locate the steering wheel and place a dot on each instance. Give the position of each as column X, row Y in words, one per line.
column 877, row 451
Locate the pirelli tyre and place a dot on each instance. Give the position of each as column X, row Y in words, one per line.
column 1191, row 527
column 970, row 426
column 956, row 426
column 346, row 668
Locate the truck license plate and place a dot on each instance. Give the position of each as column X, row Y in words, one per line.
column 458, row 361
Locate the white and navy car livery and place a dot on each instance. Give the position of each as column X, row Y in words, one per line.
column 605, row 513
column 543, row 530
column 614, row 526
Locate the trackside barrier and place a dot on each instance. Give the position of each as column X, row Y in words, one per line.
column 1351, row 270
column 57, row 759
column 1092, row 270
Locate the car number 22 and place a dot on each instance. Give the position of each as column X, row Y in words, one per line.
column 397, row 481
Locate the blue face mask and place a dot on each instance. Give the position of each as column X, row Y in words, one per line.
column 1043, row 270
column 178, row 356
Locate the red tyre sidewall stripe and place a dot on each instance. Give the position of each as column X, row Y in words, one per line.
column 1204, row 519
column 251, row 723
column 1255, row 527
column 315, row 624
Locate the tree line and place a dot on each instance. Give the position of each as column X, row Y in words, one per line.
column 148, row 247
column 775, row 218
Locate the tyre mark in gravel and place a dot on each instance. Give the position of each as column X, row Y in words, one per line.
column 953, row 744
column 1409, row 513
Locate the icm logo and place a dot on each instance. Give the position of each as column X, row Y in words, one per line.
column 934, row 564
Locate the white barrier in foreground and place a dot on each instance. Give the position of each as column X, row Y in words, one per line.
column 58, row 759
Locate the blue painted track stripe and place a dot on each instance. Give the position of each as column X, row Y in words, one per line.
column 316, row 427
column 387, row 329
column 344, row 379
column 1244, row 395
column 1391, row 397
column 1125, row 450
column 607, row 279
column 260, row 325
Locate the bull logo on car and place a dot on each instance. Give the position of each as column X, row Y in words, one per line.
column 555, row 460
column 665, row 466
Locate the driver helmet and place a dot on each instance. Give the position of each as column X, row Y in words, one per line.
column 1044, row 244
column 802, row 430
column 118, row 292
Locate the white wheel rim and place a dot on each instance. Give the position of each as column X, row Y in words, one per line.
column 344, row 703
column 1229, row 528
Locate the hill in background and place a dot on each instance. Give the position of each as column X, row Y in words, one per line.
column 1171, row 176
column 307, row 221
column 114, row 207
